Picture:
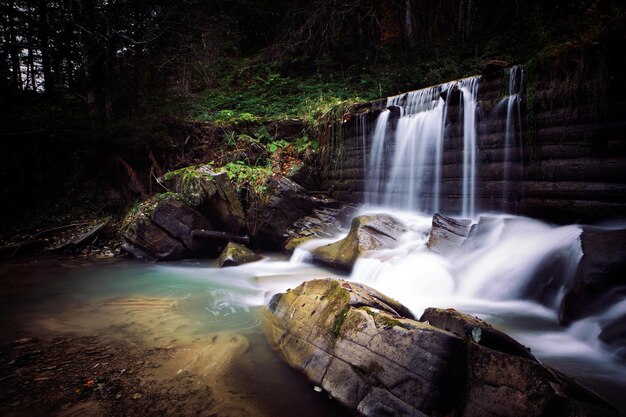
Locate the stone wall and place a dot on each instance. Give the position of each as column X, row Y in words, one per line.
column 571, row 165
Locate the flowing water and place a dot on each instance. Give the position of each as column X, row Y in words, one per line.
column 404, row 170
column 513, row 271
column 499, row 275
column 512, row 131
column 208, row 320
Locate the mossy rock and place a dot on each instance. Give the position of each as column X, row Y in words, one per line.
column 367, row 233
column 209, row 192
column 369, row 354
column 235, row 254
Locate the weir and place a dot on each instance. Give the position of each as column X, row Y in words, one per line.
column 500, row 142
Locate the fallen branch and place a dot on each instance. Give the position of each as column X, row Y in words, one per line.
column 215, row 235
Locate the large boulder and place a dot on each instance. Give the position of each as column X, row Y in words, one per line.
column 367, row 352
column 367, row 233
column 179, row 221
column 196, row 218
column 600, row 275
column 212, row 194
column 235, row 254
column 144, row 239
column 509, row 386
column 357, row 345
column 323, row 223
column 288, row 202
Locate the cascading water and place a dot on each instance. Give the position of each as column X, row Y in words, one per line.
column 411, row 178
column 377, row 160
column 513, row 129
column 469, row 90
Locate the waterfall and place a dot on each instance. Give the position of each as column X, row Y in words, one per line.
column 376, row 163
column 513, row 129
column 413, row 126
column 469, row 89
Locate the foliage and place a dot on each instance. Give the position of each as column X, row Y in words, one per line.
column 244, row 175
column 255, row 93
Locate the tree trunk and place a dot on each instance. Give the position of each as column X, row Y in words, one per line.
column 16, row 65
column 48, row 77
column 31, row 70
column 89, row 49
column 408, row 18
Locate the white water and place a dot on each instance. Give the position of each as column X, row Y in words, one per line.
column 469, row 90
column 499, row 275
column 513, row 129
column 374, row 171
column 412, row 178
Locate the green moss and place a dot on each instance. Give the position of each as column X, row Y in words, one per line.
column 336, row 292
column 340, row 319
column 187, row 173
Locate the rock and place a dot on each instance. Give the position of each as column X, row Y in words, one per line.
column 510, row 386
column 146, row 239
column 235, row 254
column 447, row 234
column 481, row 233
column 344, row 339
column 304, row 175
column 614, row 334
column 211, row 194
column 325, row 222
column 601, row 270
column 367, row 233
column 288, row 203
column 368, row 353
column 179, row 221
column 463, row 325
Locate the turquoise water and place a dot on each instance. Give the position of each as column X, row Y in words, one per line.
column 183, row 305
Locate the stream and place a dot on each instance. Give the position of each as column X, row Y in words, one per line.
column 205, row 314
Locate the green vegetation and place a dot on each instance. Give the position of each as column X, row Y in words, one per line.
column 340, row 319
column 243, row 175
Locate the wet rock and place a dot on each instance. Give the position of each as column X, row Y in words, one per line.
column 211, row 194
column 447, row 234
column 367, row 233
column 510, row 386
column 366, row 356
column 235, row 254
column 325, row 222
column 466, row 326
column 368, row 353
column 614, row 334
column 146, row 239
column 288, row 203
column 601, row 272
column 179, row 221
